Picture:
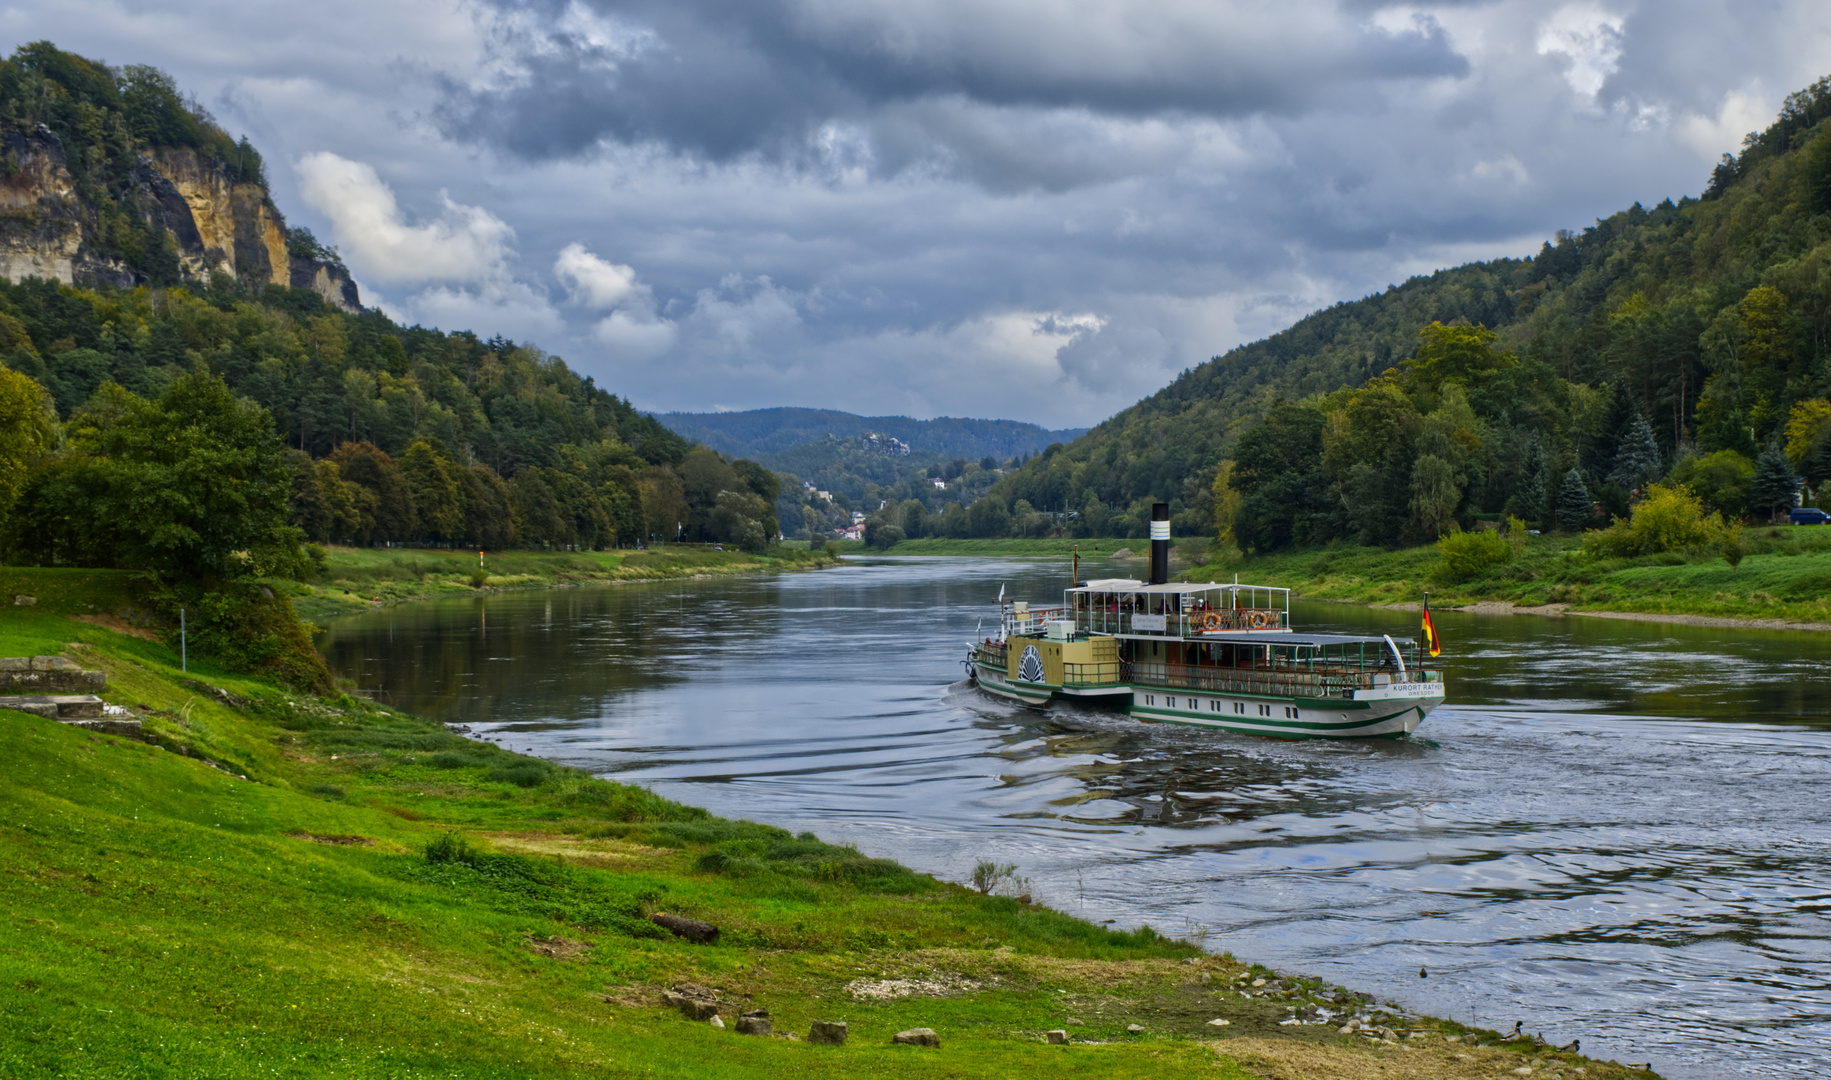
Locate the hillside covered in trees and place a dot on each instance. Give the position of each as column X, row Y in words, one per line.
column 381, row 433
column 1683, row 342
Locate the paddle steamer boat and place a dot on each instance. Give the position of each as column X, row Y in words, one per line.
column 1216, row 656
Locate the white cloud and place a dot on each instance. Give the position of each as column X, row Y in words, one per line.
column 632, row 328
column 1589, row 39
column 594, row 282
column 465, row 243
column 1742, row 111
column 513, row 309
column 629, row 334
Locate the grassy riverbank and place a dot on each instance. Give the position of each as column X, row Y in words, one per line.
column 279, row 885
column 355, row 579
column 1785, row 575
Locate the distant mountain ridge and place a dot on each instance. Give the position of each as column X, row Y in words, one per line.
column 757, row 432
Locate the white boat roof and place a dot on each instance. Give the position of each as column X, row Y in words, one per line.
column 1179, row 587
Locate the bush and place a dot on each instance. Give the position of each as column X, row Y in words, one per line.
column 451, row 848
column 525, row 774
column 1668, row 519
column 1469, row 555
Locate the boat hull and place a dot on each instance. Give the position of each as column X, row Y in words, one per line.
column 1389, row 712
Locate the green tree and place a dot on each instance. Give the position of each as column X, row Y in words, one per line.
column 390, row 516
column 192, row 488
column 1434, row 495
column 1637, row 461
column 1720, row 479
column 1277, row 470
column 324, row 506
column 989, row 518
column 1535, row 471
column 438, row 498
column 1774, row 485
column 28, row 426
column 1456, row 352
column 1576, row 511
column 915, row 519
column 489, row 509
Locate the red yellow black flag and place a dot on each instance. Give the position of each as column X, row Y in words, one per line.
column 1430, row 631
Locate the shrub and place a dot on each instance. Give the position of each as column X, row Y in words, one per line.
column 990, row 877
column 525, row 774
column 1668, row 519
column 451, row 848
column 1468, row 555
column 1733, row 546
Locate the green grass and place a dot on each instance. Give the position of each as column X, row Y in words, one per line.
column 1785, row 575
column 383, row 898
column 358, row 578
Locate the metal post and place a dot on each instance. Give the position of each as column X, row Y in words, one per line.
column 184, row 649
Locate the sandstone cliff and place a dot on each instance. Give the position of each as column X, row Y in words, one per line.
column 213, row 224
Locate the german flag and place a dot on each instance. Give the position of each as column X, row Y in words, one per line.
column 1430, row 631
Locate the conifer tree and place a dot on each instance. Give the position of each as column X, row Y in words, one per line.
column 1774, row 485
column 1536, row 467
column 1637, row 460
column 1575, row 511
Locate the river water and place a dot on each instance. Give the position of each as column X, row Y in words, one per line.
column 1612, row 830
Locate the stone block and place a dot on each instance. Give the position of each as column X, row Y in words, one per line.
column 77, row 706
column 37, row 706
column 917, row 1037
column 692, row 1006
column 50, row 663
column 828, row 1032
column 15, row 663
column 755, row 1023
column 1056, row 1037
column 70, row 680
column 22, row 600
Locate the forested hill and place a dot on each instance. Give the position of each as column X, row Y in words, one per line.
column 1627, row 318
column 131, row 326
column 771, row 431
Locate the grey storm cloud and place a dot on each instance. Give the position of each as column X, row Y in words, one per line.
column 948, row 81
column 872, row 204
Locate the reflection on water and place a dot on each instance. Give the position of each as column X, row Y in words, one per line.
column 1614, row 830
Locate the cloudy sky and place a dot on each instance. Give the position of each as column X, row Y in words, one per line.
column 1014, row 208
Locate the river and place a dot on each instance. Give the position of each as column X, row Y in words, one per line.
column 1612, row 830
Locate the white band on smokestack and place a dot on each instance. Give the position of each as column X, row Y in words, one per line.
column 1160, row 530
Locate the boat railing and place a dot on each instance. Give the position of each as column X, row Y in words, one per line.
column 1032, row 623
column 1266, row 681
column 1082, row 675
column 1180, row 624
column 993, row 653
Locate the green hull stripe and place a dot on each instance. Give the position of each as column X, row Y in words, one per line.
column 1273, row 734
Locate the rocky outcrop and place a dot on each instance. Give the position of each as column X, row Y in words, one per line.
column 327, row 280
column 41, row 220
column 221, row 225
column 217, row 225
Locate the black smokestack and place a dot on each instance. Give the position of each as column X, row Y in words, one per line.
column 1160, row 543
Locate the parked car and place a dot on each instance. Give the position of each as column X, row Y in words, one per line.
column 1809, row 515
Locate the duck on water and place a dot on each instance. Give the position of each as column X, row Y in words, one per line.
column 1214, row 656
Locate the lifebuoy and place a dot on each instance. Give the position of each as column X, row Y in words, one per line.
column 1212, row 621
column 1257, row 620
